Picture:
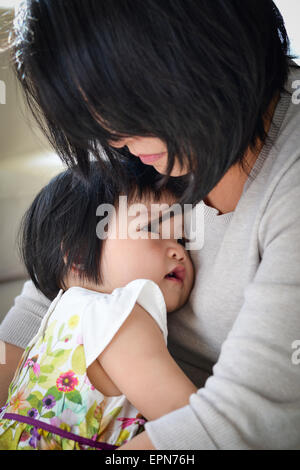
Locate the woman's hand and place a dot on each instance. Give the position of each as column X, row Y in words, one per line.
column 13, row 355
column 139, row 442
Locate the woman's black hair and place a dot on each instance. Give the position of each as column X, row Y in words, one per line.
column 198, row 74
column 59, row 229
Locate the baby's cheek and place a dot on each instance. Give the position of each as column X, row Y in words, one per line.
column 171, row 303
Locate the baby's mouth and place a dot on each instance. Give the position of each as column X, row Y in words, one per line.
column 177, row 274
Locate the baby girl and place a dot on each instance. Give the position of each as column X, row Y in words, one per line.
column 99, row 366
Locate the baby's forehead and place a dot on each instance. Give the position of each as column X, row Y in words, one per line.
column 150, row 208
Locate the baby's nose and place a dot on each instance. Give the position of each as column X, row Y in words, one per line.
column 176, row 252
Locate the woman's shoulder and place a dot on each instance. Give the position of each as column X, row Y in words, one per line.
column 279, row 167
column 288, row 139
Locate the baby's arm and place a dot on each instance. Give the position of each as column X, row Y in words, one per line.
column 138, row 362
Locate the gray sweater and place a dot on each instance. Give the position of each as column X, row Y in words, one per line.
column 236, row 338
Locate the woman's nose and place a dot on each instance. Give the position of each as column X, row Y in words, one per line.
column 129, row 143
column 119, row 144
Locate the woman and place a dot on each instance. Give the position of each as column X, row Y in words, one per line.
column 208, row 88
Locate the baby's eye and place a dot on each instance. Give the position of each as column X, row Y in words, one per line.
column 182, row 241
column 148, row 228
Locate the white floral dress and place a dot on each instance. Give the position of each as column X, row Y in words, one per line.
column 51, row 402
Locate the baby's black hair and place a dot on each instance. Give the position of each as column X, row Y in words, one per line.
column 59, row 228
column 198, row 74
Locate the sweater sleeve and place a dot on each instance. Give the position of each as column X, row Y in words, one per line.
column 23, row 320
column 252, row 400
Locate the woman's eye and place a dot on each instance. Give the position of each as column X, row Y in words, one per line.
column 149, row 229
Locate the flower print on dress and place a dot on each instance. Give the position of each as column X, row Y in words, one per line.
column 49, row 402
column 88, row 382
column 49, row 443
column 60, row 394
column 19, row 401
column 79, row 339
column 67, row 417
column 67, row 382
column 35, row 437
column 32, row 413
column 73, row 322
column 24, row 436
column 4, row 407
column 32, row 362
column 128, row 421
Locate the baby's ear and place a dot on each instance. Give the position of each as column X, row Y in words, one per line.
column 76, row 267
column 73, row 277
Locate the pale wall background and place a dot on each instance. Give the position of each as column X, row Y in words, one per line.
column 290, row 10
column 27, row 163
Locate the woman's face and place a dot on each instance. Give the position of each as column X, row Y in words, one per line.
column 151, row 151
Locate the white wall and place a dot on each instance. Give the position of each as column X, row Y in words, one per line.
column 290, row 10
column 9, row 3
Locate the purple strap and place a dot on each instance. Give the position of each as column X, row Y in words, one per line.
column 60, row 432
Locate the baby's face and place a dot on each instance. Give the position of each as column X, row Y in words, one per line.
column 125, row 258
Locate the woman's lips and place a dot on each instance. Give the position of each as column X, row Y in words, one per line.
column 151, row 158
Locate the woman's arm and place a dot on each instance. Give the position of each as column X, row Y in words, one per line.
column 23, row 320
column 139, row 442
column 138, row 362
column 7, row 370
column 17, row 329
column 252, row 400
